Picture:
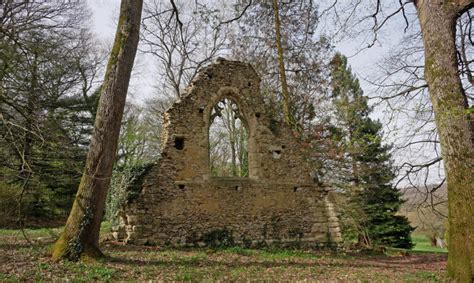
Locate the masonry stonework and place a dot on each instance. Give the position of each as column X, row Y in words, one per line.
column 181, row 204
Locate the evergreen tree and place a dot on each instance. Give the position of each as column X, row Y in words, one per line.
column 373, row 200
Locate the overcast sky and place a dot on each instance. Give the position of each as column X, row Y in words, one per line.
column 103, row 22
column 105, row 13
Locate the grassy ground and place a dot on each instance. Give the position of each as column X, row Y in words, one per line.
column 21, row 260
column 423, row 244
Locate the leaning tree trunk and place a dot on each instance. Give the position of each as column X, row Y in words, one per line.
column 81, row 235
column 455, row 127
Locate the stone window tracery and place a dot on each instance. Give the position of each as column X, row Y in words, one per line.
column 228, row 140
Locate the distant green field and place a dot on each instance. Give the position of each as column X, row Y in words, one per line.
column 422, row 244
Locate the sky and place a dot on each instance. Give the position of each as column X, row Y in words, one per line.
column 143, row 86
column 105, row 13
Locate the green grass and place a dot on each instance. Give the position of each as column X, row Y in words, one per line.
column 421, row 275
column 423, row 244
column 105, row 227
column 279, row 254
column 271, row 254
column 239, row 251
column 32, row 232
column 89, row 272
column 26, row 262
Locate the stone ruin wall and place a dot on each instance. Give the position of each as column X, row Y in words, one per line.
column 181, row 204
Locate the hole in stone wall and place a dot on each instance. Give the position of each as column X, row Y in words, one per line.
column 257, row 115
column 228, row 141
column 237, row 188
column 201, row 110
column 276, row 154
column 296, row 189
column 179, row 143
column 181, row 187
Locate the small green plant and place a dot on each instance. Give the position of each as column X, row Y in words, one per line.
column 219, row 238
column 185, row 276
column 43, row 266
column 125, row 186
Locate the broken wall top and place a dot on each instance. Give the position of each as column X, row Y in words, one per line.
column 275, row 156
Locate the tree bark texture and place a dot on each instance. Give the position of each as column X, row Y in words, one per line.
column 455, row 127
column 80, row 237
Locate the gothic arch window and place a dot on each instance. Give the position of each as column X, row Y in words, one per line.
column 228, row 140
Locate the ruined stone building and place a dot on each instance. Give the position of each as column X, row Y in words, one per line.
column 179, row 203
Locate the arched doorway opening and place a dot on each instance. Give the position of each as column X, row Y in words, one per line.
column 228, row 140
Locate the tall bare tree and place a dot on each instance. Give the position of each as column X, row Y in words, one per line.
column 306, row 54
column 181, row 47
column 281, row 65
column 80, row 237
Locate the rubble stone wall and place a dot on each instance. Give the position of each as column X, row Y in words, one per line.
column 181, row 204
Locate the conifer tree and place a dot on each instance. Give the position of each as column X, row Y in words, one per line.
column 373, row 200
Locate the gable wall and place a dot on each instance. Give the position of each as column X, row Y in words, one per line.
column 181, row 204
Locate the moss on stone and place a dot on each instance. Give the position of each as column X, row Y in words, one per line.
column 219, row 238
column 139, row 173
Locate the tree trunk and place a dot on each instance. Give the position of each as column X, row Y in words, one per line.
column 281, row 62
column 80, row 237
column 455, row 127
column 233, row 141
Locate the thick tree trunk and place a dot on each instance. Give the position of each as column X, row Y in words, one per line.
column 81, row 235
column 455, row 127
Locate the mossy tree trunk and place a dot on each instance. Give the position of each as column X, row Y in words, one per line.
column 454, row 121
column 80, row 237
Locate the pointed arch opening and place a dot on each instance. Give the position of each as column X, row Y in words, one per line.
column 228, row 140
